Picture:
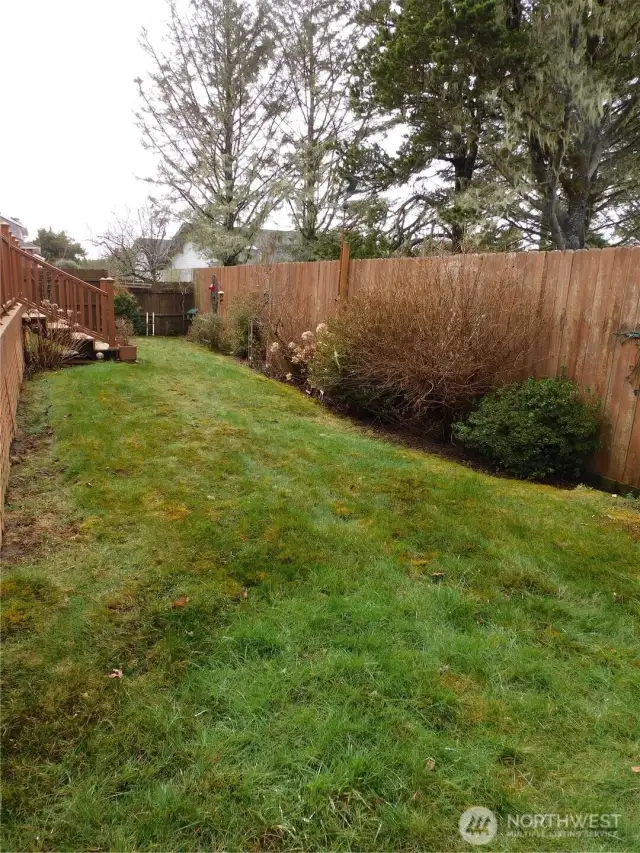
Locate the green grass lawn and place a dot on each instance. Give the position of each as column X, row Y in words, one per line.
column 326, row 641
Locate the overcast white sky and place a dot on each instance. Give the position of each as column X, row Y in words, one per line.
column 69, row 148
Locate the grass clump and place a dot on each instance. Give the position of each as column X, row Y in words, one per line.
column 326, row 642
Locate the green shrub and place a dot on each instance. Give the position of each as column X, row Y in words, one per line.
column 208, row 330
column 535, row 428
column 246, row 319
column 126, row 305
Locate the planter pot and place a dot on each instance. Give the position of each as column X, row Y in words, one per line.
column 128, row 353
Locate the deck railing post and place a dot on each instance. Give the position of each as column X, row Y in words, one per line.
column 106, row 285
column 6, row 292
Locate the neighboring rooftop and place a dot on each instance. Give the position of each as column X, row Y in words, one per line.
column 20, row 232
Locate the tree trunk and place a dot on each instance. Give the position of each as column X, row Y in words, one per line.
column 575, row 224
column 464, row 167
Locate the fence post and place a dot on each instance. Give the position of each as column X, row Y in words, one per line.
column 106, row 285
column 5, row 285
column 343, row 278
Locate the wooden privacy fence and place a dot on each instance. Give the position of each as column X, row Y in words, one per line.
column 312, row 287
column 591, row 296
column 11, row 372
column 169, row 303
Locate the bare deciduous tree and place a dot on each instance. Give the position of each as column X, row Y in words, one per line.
column 209, row 111
column 317, row 40
column 138, row 245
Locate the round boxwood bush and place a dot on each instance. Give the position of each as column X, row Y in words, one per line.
column 535, row 429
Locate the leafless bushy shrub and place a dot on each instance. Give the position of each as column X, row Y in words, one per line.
column 291, row 343
column 246, row 327
column 425, row 344
column 208, row 330
column 285, row 318
column 124, row 331
column 50, row 347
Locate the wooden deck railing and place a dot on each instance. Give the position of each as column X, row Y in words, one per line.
column 54, row 292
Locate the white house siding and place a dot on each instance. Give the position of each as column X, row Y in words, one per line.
column 184, row 262
column 190, row 258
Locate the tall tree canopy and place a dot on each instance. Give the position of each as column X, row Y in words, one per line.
column 491, row 124
column 572, row 102
column 525, row 113
column 434, row 66
column 315, row 40
column 58, row 248
column 209, row 111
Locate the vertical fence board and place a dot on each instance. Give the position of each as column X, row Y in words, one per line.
column 588, row 292
column 11, row 372
column 624, row 401
column 595, row 336
column 619, row 403
column 530, row 268
column 562, row 265
column 548, row 288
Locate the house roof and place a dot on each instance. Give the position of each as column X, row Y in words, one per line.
column 20, row 232
column 16, row 227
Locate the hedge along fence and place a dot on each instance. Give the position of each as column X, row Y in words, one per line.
column 11, row 372
column 589, row 296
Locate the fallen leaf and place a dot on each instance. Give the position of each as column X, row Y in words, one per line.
column 181, row 602
column 116, row 673
column 245, row 593
column 430, row 763
column 636, row 769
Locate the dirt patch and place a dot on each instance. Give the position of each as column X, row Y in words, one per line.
column 35, row 519
column 627, row 519
column 24, row 446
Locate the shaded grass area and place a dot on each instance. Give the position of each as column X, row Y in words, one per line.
column 326, row 641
